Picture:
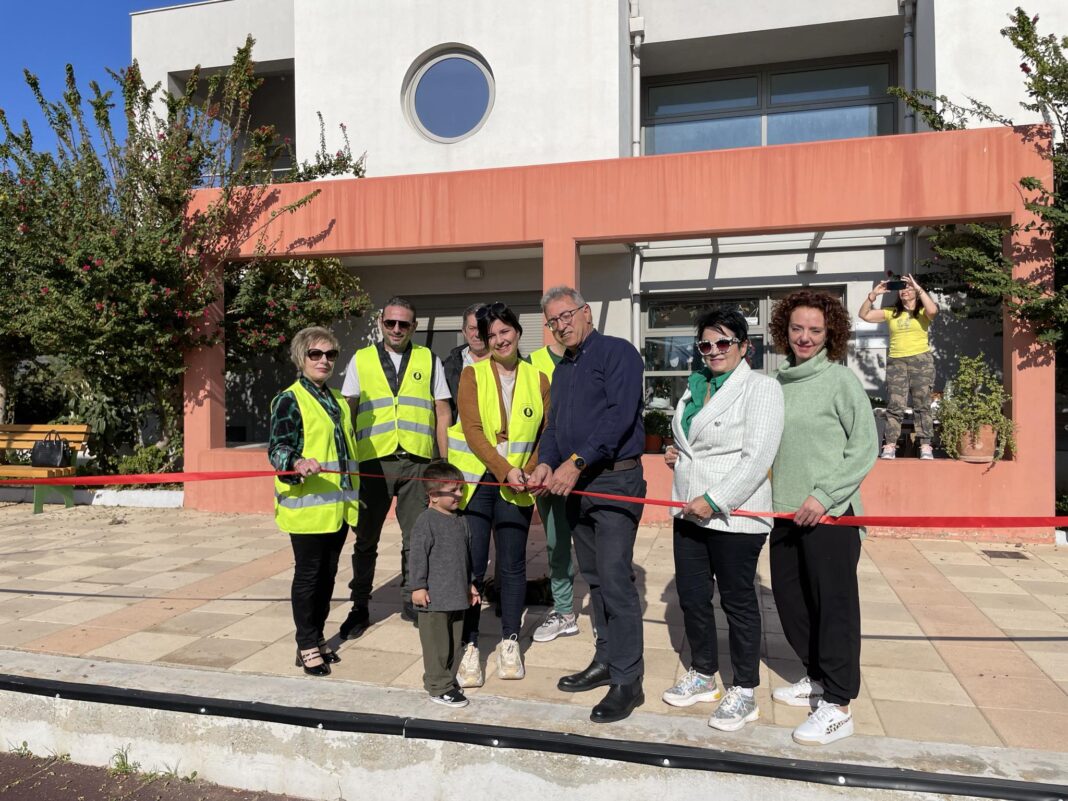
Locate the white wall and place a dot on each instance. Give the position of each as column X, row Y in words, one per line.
column 972, row 59
column 176, row 39
column 555, row 65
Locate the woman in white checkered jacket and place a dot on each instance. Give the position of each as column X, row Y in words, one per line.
column 727, row 428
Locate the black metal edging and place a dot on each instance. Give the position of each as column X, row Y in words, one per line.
column 661, row 755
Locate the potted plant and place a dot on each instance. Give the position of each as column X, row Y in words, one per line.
column 657, row 426
column 974, row 425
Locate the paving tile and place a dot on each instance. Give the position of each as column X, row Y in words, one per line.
column 233, row 606
column 1037, row 640
column 118, row 576
column 1044, row 730
column 27, row 605
column 142, row 646
column 1053, row 663
column 890, row 629
column 17, row 632
column 993, row 600
column 917, row 720
column 76, row 612
column 1033, row 694
column 1034, row 620
column 196, row 623
column 918, row 655
column 538, row 683
column 276, row 659
column 144, row 614
column 901, row 684
column 75, row 640
column 262, row 629
column 564, row 653
column 885, row 611
column 1044, row 587
column 374, row 667
column 968, row 585
column 970, row 570
column 213, row 653
column 1058, row 603
column 1010, row 662
column 398, row 635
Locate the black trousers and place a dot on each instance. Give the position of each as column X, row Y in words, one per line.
column 703, row 557
column 316, row 557
column 400, row 480
column 814, row 581
column 603, row 532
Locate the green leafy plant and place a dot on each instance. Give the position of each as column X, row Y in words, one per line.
column 20, row 749
column 657, row 424
column 974, row 398
column 120, row 763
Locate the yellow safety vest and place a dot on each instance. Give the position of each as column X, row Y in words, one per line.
column 543, row 360
column 318, row 504
column 385, row 422
column 524, row 423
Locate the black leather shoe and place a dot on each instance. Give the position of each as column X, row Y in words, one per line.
column 594, row 676
column 322, row 669
column 622, row 699
column 356, row 623
column 408, row 612
column 329, row 655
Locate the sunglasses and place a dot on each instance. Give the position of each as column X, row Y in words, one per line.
column 315, row 354
column 403, row 325
column 706, row 346
column 563, row 318
column 492, row 310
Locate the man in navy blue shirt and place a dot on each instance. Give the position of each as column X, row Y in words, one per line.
column 593, row 440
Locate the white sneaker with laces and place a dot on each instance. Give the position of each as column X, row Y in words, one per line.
column 800, row 694
column 926, row 452
column 734, row 711
column 509, row 659
column 556, row 625
column 692, row 688
column 453, row 698
column 888, row 452
column 470, row 672
column 827, row 723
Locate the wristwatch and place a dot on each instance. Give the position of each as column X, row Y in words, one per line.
column 580, row 463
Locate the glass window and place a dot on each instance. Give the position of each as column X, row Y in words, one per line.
column 450, row 96
column 840, row 83
column 847, row 122
column 692, row 135
column 671, row 353
column 704, row 96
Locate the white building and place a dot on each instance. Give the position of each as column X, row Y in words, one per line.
column 439, row 85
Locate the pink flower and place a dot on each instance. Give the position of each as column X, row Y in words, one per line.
column 99, row 262
column 1025, row 69
column 281, row 338
column 99, row 306
column 44, row 290
column 86, row 268
column 152, row 281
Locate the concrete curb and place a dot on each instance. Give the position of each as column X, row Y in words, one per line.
column 149, row 499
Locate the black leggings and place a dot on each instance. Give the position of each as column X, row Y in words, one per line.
column 316, row 558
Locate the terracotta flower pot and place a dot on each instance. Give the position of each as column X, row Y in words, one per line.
column 654, row 443
column 980, row 448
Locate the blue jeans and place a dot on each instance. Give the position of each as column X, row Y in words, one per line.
column 487, row 511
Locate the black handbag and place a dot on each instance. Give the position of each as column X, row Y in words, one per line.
column 52, row 451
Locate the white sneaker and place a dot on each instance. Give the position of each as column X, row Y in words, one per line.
column 926, row 452
column 800, row 694
column 734, row 711
column 556, row 625
column 888, row 452
column 509, row 660
column 824, row 725
column 470, row 672
column 692, row 688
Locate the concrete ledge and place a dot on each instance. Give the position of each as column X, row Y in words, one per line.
column 321, row 763
column 149, row 499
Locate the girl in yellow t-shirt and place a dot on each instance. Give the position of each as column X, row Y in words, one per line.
column 909, row 365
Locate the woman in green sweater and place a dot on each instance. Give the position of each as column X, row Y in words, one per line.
column 828, row 446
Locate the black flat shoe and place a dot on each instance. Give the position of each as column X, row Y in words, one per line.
column 594, row 676
column 322, row 669
column 622, row 699
column 356, row 623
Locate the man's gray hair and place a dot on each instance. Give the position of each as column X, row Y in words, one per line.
column 470, row 311
column 305, row 338
column 558, row 292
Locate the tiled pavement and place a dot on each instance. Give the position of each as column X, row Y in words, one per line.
column 959, row 646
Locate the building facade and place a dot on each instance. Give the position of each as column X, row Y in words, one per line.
column 436, row 86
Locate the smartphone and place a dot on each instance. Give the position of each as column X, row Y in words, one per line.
column 896, row 283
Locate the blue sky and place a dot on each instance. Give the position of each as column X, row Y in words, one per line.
column 45, row 35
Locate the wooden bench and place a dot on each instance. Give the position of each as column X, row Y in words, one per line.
column 23, row 437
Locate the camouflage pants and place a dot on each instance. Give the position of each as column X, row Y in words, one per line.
column 905, row 375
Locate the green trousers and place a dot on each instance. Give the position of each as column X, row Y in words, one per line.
column 558, row 546
column 440, row 635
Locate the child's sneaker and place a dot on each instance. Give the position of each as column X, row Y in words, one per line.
column 800, row 694
column 556, row 625
column 888, row 452
column 453, row 698
column 691, row 688
column 470, row 672
column 926, row 452
column 509, row 660
column 824, row 725
column 735, row 710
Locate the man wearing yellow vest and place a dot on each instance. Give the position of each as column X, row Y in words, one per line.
column 400, row 404
column 562, row 620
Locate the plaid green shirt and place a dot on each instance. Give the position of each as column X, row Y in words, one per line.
column 286, row 444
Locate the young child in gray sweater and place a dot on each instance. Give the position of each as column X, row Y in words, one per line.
column 439, row 566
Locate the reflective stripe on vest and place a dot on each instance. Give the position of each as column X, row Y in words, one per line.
column 543, row 360
column 524, row 425
column 318, row 505
column 385, row 422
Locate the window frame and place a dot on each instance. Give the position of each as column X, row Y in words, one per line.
column 425, row 63
column 765, row 107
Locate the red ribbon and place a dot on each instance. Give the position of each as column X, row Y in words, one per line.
column 845, row 520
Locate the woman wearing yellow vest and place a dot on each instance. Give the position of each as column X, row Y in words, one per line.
column 311, row 431
column 502, row 410
column 909, row 364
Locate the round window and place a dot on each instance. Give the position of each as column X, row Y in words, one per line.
column 450, row 96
